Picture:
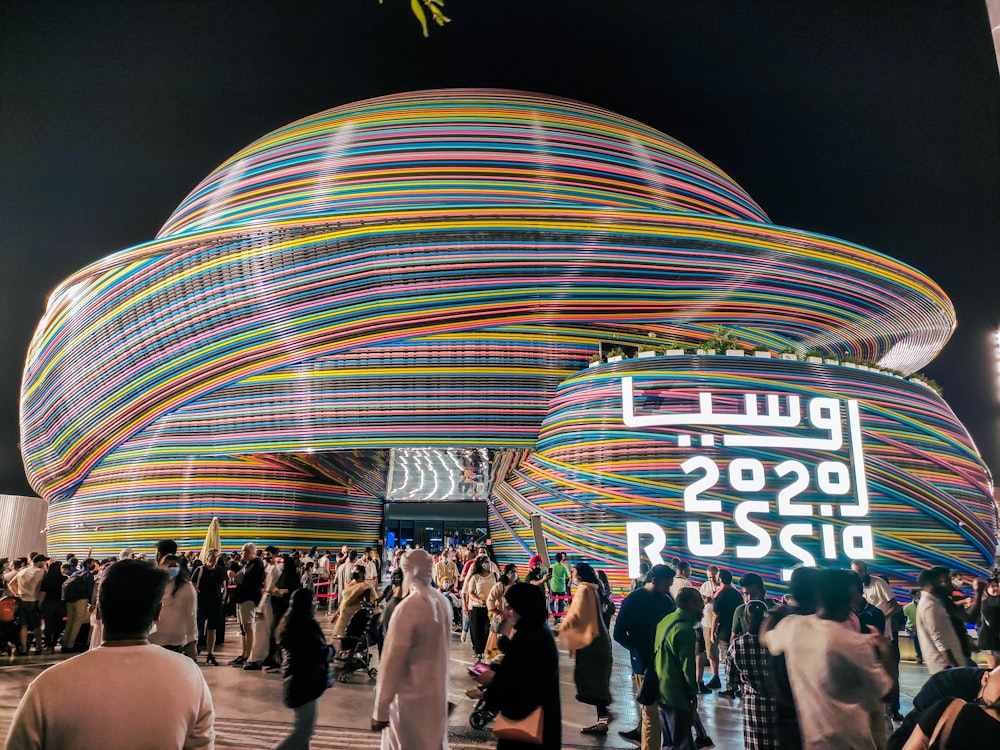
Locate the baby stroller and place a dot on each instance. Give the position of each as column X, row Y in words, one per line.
column 356, row 644
column 481, row 717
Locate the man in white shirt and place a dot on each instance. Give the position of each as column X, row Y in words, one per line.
column 13, row 570
column 371, row 563
column 344, row 571
column 263, row 626
column 711, row 646
column 682, row 579
column 25, row 585
column 837, row 676
column 323, row 567
column 938, row 640
column 127, row 716
column 878, row 594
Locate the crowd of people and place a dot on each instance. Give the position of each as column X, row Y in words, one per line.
column 815, row 669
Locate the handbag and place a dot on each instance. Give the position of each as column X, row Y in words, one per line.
column 528, row 729
column 606, row 606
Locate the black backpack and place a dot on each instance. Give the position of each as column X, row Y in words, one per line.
column 75, row 588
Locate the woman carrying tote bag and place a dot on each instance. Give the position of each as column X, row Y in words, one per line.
column 527, row 679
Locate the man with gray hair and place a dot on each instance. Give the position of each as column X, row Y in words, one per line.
column 247, row 595
column 411, row 695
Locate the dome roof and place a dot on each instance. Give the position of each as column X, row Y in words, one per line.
column 455, row 148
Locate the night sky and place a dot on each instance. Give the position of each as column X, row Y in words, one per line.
column 875, row 122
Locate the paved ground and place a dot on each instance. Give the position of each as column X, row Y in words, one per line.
column 250, row 714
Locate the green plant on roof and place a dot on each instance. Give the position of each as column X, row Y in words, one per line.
column 722, row 340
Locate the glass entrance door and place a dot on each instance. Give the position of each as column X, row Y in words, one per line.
column 432, row 526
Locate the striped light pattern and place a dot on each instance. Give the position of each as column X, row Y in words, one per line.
column 485, row 149
column 423, row 269
column 930, row 494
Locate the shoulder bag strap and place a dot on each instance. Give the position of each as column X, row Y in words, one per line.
column 942, row 730
column 664, row 639
column 673, row 654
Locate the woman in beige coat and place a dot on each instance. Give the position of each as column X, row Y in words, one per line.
column 585, row 636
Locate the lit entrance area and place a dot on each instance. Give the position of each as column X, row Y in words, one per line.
column 436, row 497
column 434, row 525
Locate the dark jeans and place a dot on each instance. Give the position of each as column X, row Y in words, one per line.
column 479, row 627
column 53, row 613
column 892, row 700
column 675, row 728
column 279, row 605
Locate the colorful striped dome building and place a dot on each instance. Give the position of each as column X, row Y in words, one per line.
column 395, row 304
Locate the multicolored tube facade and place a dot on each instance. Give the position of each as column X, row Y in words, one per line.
column 436, row 269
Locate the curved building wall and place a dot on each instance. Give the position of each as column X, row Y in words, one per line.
column 458, row 148
column 754, row 464
column 22, row 525
column 141, row 335
column 290, row 501
column 436, row 269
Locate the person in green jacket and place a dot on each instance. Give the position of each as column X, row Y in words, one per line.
column 675, row 668
column 559, row 573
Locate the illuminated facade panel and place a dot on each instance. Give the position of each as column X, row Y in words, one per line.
column 434, row 270
column 757, row 465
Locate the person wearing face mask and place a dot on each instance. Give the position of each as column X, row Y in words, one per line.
column 495, row 604
column 475, row 592
column 584, row 634
column 954, row 724
column 355, row 594
column 966, row 683
column 986, row 613
column 177, row 626
column 392, row 595
column 528, row 676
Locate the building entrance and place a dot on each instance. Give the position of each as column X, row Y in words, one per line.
column 434, row 525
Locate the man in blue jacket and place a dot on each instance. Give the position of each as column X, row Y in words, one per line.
column 635, row 629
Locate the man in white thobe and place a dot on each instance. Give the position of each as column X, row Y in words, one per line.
column 411, row 695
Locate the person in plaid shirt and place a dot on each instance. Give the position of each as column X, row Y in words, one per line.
column 746, row 672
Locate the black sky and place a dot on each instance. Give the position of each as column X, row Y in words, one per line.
column 875, row 122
